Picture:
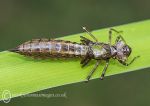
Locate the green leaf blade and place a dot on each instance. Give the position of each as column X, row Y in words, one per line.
column 22, row 75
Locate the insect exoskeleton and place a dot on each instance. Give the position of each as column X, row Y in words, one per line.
column 47, row 48
column 87, row 50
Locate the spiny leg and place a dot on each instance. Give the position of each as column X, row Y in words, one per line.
column 93, row 70
column 85, row 40
column 127, row 64
column 118, row 37
column 84, row 28
column 86, row 62
column 84, row 59
column 104, row 70
column 110, row 36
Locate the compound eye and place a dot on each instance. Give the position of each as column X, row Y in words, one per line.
column 126, row 50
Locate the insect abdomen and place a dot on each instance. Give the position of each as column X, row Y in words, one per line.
column 52, row 48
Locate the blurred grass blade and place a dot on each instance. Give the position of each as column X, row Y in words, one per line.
column 22, row 75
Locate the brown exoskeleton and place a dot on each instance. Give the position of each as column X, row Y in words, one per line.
column 103, row 51
column 87, row 50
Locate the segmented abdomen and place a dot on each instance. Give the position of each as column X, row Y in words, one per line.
column 44, row 48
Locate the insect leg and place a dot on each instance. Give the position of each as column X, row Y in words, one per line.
column 84, row 28
column 85, row 40
column 104, row 70
column 110, row 36
column 127, row 64
column 86, row 61
column 118, row 37
column 93, row 70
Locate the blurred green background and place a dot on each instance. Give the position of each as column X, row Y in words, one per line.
column 22, row 20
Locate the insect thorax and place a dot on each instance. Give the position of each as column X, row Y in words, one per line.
column 101, row 51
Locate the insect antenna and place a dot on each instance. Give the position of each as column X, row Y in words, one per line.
column 116, row 31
